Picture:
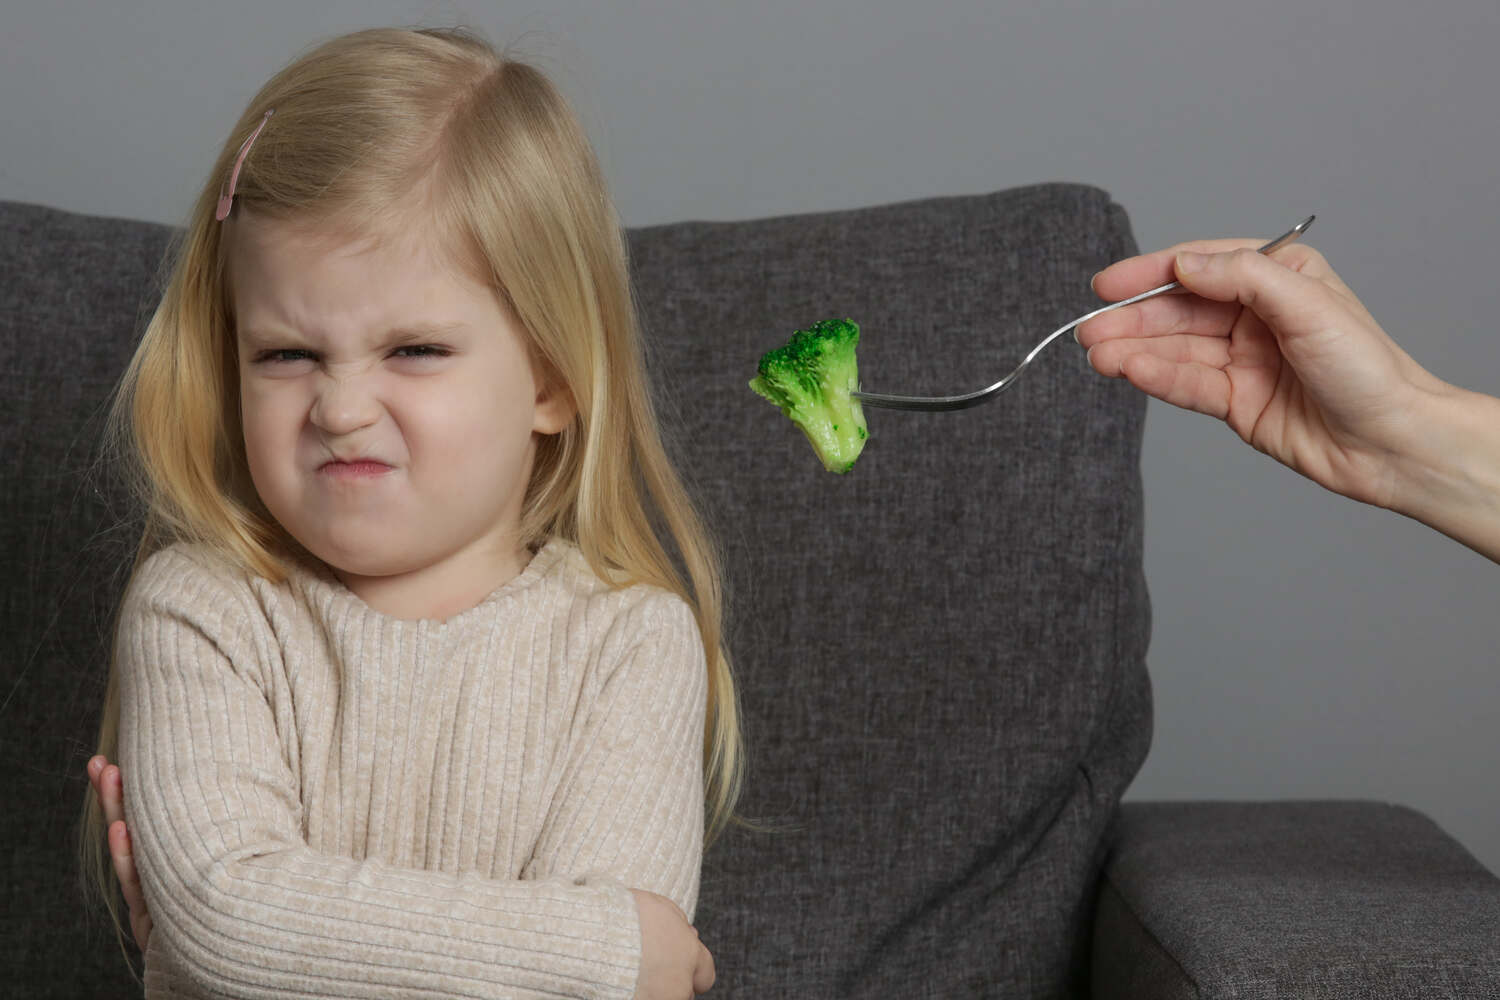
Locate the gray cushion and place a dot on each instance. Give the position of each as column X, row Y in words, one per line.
column 72, row 289
column 1314, row 900
column 941, row 654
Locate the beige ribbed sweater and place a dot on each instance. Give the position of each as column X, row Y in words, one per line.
column 329, row 801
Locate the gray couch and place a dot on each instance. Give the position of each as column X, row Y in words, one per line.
column 941, row 654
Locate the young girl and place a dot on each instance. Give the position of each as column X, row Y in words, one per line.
column 408, row 693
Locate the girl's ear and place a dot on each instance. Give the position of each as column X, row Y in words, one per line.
column 555, row 407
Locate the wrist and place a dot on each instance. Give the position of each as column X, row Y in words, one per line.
column 1449, row 475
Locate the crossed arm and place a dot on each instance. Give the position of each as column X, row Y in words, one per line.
column 246, row 899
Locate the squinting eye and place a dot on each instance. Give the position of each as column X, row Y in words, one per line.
column 287, row 354
column 423, row 351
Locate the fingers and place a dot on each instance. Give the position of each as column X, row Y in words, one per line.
column 1134, row 275
column 673, row 959
column 140, row 926
column 121, row 852
column 1268, row 308
column 1108, row 356
column 1191, row 386
column 1290, row 303
column 112, row 794
column 1162, row 316
column 109, row 787
column 1174, row 348
column 703, row 972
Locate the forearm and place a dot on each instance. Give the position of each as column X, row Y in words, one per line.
column 242, row 905
column 295, row 922
column 1449, row 477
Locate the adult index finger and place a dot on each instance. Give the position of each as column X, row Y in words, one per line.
column 1138, row 274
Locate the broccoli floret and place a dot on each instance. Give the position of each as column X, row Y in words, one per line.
column 810, row 380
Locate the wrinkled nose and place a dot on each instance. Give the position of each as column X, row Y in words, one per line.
column 344, row 405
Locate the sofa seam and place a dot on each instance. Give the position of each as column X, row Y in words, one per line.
column 1152, row 936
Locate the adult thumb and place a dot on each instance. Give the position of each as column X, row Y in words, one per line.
column 1289, row 302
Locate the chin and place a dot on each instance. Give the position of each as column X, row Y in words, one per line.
column 363, row 559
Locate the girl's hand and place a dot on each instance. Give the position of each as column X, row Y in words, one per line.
column 1278, row 348
column 674, row 963
column 105, row 778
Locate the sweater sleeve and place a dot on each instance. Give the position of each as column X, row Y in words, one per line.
column 242, row 907
column 641, row 742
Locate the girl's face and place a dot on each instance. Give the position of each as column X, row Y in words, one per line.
column 390, row 411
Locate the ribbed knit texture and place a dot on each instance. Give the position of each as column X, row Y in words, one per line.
column 329, row 801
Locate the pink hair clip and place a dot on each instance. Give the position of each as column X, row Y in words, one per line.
column 226, row 200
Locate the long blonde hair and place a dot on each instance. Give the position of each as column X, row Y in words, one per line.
column 373, row 130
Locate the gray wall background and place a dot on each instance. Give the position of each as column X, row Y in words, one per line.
column 1304, row 646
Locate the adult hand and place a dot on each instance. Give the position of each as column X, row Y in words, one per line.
column 674, row 963
column 1278, row 348
column 108, row 786
column 1281, row 350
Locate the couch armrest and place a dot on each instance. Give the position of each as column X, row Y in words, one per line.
column 1292, row 899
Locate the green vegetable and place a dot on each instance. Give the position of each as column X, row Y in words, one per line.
column 810, row 380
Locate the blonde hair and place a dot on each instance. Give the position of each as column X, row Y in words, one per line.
column 384, row 127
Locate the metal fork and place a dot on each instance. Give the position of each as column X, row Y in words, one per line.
column 975, row 398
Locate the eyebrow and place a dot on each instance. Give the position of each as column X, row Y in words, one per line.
column 404, row 334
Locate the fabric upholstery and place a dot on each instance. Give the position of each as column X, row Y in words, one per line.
column 941, row 655
column 1314, row 900
column 73, row 289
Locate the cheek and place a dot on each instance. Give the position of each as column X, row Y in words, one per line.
column 267, row 439
column 476, row 423
column 252, row 424
column 468, row 468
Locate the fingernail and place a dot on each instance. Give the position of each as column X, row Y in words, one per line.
column 1189, row 262
column 1094, row 279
